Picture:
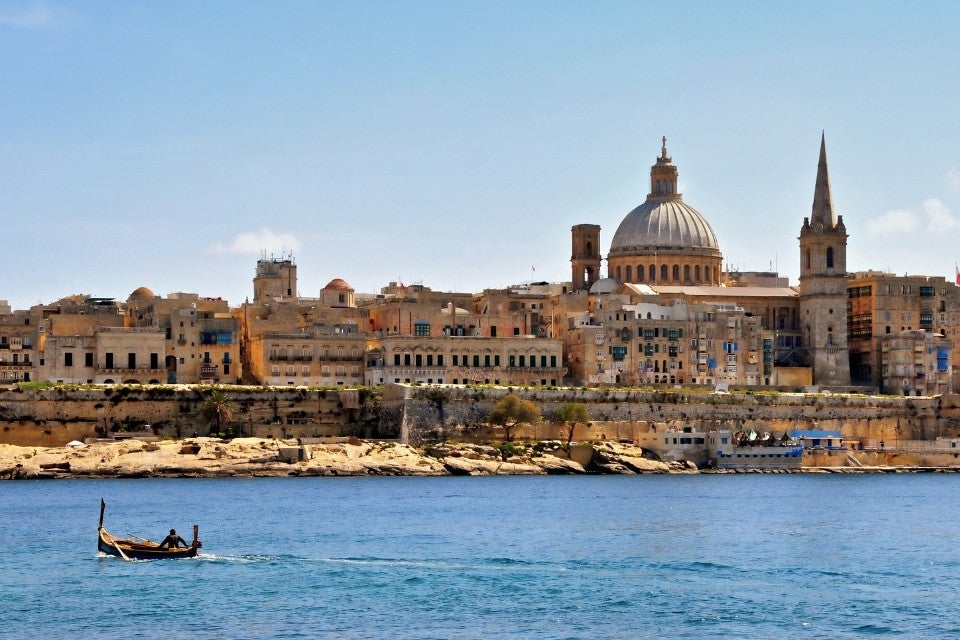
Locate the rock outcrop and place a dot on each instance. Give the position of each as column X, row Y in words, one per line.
column 212, row 457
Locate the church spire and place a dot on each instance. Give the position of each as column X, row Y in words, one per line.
column 822, row 199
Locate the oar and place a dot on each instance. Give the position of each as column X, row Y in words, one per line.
column 122, row 554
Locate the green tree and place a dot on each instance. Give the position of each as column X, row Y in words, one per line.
column 570, row 414
column 217, row 410
column 512, row 411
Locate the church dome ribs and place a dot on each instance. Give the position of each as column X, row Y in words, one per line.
column 665, row 240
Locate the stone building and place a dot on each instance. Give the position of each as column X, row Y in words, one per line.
column 520, row 360
column 325, row 355
column 18, row 344
column 699, row 343
column 664, row 252
column 881, row 304
column 201, row 335
column 915, row 362
column 292, row 340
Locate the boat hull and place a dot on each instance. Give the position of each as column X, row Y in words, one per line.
column 140, row 550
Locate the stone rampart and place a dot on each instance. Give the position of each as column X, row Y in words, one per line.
column 420, row 414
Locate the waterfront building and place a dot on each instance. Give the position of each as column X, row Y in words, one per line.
column 881, row 304
column 915, row 362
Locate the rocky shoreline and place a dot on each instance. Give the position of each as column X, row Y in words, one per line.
column 248, row 457
column 257, row 457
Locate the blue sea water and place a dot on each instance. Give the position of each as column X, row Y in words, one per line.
column 709, row 556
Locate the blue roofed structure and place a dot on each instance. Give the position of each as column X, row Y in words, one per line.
column 818, row 439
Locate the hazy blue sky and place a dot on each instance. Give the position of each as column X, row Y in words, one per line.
column 169, row 144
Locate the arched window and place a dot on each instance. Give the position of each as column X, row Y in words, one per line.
column 629, row 273
column 829, row 257
column 618, row 274
column 663, row 273
column 807, row 258
column 686, row 273
column 706, row 275
column 639, row 273
column 696, row 273
column 676, row 273
column 653, row 273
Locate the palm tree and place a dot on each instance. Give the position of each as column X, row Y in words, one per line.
column 217, row 409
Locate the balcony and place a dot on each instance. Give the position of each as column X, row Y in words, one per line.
column 126, row 371
column 283, row 357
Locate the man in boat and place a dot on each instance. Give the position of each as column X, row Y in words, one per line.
column 173, row 541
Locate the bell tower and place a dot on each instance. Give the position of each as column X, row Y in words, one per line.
column 585, row 260
column 823, row 285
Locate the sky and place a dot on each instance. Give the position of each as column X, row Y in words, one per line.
column 453, row 144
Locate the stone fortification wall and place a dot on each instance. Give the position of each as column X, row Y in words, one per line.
column 458, row 413
column 55, row 416
column 418, row 415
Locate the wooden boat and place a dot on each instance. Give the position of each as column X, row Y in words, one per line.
column 141, row 549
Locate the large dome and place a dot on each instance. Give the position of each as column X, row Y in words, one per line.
column 663, row 224
column 665, row 241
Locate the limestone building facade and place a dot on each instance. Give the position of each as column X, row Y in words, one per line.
column 880, row 304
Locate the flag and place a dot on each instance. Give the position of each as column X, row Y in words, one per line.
column 533, row 268
column 957, row 269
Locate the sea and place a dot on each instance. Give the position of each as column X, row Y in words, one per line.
column 586, row 557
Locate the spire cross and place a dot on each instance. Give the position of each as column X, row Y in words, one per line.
column 663, row 150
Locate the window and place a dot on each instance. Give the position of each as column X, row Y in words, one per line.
column 88, row 359
column 68, row 359
column 829, row 257
column 422, row 328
